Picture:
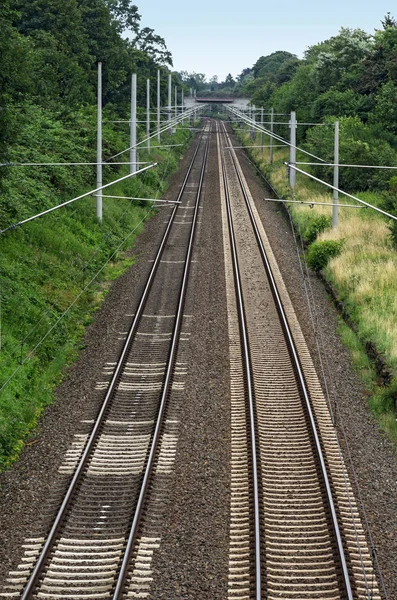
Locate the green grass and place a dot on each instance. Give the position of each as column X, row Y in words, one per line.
column 381, row 399
column 46, row 266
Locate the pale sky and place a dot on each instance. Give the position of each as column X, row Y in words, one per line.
column 216, row 37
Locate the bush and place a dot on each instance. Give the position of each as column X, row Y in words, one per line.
column 393, row 231
column 389, row 203
column 321, row 252
column 317, row 225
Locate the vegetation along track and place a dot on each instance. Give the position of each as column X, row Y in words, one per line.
column 295, row 527
column 118, row 470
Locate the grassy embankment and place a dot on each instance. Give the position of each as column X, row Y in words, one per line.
column 46, row 266
column 360, row 262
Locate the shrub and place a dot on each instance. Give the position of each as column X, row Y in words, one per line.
column 393, row 231
column 321, row 252
column 389, row 203
column 317, row 225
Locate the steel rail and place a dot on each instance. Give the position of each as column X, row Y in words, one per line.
column 250, row 386
column 374, row 553
column 40, row 563
column 302, row 383
column 165, row 392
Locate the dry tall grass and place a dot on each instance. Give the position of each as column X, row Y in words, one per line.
column 365, row 274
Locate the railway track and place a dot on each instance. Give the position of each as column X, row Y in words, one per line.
column 117, row 470
column 295, row 526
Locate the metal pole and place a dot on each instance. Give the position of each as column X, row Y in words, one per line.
column 182, row 104
column 175, row 106
column 253, row 131
column 158, row 104
column 335, row 194
column 271, row 137
column 169, row 100
column 292, row 149
column 262, row 131
column 99, row 147
column 133, row 154
column 148, row 113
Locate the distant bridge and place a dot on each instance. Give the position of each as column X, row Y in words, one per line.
column 216, row 100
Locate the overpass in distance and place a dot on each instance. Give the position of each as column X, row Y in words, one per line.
column 216, row 100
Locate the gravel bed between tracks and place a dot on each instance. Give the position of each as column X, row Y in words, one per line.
column 374, row 456
column 193, row 561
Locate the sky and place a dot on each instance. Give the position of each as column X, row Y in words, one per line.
column 217, row 37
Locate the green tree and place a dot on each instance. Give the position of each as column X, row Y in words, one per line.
column 229, row 81
column 385, row 111
column 125, row 14
column 359, row 144
column 336, row 103
column 15, row 79
column 154, row 45
column 335, row 57
column 269, row 66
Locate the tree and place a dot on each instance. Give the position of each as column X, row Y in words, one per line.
column 125, row 14
column 336, row 103
column 389, row 21
column 213, row 83
column 380, row 65
column 61, row 18
column 154, row 45
column 193, row 80
column 335, row 57
column 244, row 74
column 229, row 81
column 385, row 111
column 268, row 66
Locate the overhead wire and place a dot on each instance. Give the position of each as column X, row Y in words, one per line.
column 82, row 269
column 86, row 194
column 277, row 137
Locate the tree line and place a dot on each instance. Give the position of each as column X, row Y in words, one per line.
column 351, row 77
column 49, row 50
